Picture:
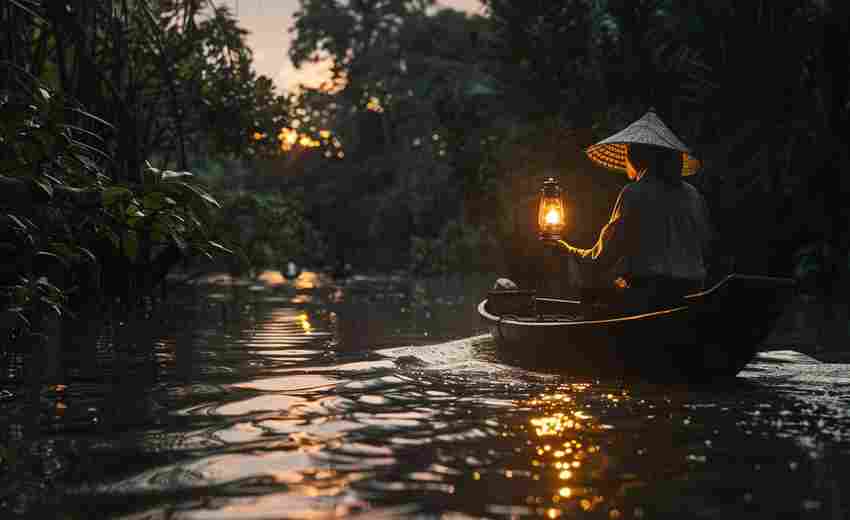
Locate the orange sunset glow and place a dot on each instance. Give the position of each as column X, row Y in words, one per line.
column 269, row 24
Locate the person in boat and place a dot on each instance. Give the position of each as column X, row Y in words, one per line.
column 658, row 236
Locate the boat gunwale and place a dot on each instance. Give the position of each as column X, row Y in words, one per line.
column 500, row 320
column 561, row 323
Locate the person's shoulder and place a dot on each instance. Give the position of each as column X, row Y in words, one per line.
column 631, row 194
column 635, row 190
column 649, row 189
column 691, row 190
column 627, row 192
column 690, row 187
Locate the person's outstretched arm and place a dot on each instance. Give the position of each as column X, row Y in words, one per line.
column 611, row 244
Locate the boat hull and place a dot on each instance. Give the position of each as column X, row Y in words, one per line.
column 710, row 335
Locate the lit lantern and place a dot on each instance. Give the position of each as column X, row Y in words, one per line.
column 550, row 212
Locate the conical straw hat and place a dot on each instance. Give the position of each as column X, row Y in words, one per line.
column 649, row 129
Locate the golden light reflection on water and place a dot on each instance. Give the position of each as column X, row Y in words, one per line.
column 304, row 319
column 306, row 280
column 301, row 299
column 565, row 450
column 273, row 278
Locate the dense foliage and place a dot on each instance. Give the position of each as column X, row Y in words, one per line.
column 411, row 103
column 104, row 105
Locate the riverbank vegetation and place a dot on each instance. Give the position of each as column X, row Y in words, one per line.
column 105, row 107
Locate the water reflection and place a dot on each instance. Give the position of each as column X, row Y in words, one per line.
column 344, row 407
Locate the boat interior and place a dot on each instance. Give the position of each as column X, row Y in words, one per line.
column 609, row 303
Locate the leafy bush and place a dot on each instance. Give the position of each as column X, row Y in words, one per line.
column 68, row 227
column 53, row 176
column 266, row 230
column 165, row 210
column 459, row 248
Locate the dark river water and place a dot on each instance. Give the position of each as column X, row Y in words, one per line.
column 384, row 398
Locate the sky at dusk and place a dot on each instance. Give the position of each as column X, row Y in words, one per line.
column 269, row 21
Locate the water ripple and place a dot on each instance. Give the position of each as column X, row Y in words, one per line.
column 284, row 411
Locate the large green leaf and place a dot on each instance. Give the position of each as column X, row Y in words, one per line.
column 133, row 210
column 18, row 223
column 130, row 244
column 200, row 193
column 220, row 247
column 60, row 252
column 87, row 254
column 44, row 186
column 151, row 177
column 115, row 193
column 171, row 175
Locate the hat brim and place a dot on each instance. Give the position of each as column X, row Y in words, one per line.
column 611, row 152
column 613, row 157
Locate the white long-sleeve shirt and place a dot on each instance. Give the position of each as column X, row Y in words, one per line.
column 657, row 229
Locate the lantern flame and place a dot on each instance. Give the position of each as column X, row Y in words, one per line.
column 550, row 216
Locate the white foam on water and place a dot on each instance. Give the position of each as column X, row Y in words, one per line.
column 450, row 354
column 822, row 387
column 465, row 357
column 783, row 356
column 790, row 366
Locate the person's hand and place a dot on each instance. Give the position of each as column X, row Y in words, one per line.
column 550, row 242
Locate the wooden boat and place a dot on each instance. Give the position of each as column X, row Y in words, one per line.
column 698, row 337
